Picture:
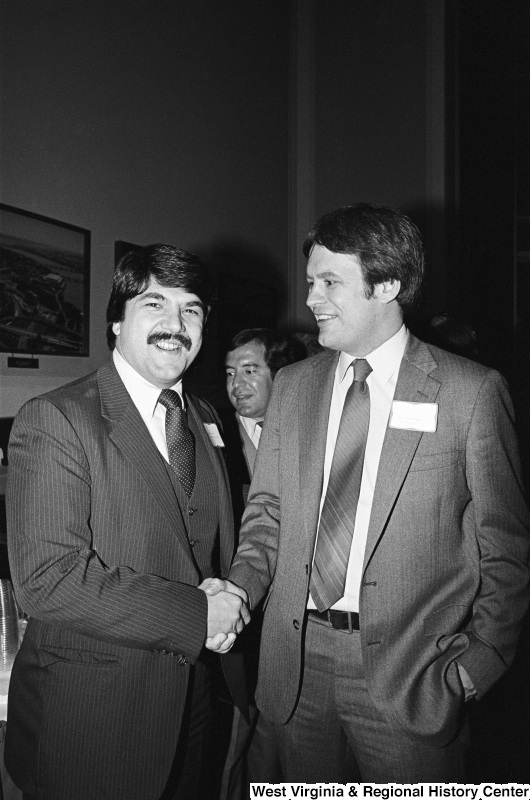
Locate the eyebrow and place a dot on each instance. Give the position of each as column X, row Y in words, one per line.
column 158, row 296
column 152, row 296
column 243, row 364
column 326, row 274
column 193, row 303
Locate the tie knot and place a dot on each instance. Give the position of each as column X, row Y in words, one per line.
column 170, row 399
column 361, row 369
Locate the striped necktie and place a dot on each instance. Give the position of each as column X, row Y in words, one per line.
column 179, row 440
column 337, row 521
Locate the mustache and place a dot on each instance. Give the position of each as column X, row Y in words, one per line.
column 162, row 336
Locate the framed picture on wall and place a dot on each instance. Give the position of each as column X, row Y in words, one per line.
column 44, row 285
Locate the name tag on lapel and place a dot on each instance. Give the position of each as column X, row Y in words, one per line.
column 413, row 416
column 213, row 432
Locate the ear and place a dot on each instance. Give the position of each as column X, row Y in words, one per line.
column 116, row 328
column 387, row 291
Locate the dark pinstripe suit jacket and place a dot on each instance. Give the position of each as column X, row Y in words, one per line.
column 102, row 564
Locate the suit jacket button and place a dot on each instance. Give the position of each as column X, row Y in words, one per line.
column 296, row 625
column 191, row 511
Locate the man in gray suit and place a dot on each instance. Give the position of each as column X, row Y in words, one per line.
column 254, row 357
column 119, row 515
column 386, row 525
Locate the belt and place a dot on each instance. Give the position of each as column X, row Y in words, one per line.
column 340, row 620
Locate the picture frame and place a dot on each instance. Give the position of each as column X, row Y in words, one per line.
column 44, row 285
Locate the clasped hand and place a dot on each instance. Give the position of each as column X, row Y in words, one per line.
column 227, row 613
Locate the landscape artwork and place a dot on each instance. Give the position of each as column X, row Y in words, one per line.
column 44, row 285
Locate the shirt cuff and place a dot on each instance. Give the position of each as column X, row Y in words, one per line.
column 467, row 683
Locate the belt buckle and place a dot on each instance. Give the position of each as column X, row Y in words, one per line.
column 338, row 627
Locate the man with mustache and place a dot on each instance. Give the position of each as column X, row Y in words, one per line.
column 119, row 516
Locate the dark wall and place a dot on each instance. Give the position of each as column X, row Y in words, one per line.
column 370, row 92
column 377, row 100
column 481, row 266
column 146, row 121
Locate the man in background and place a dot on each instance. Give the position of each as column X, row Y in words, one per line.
column 386, row 526
column 254, row 357
column 119, row 514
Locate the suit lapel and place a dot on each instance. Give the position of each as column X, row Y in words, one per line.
column 202, row 415
column 200, row 420
column 130, row 434
column 416, row 386
column 314, row 402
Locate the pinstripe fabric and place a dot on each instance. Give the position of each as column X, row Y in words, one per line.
column 337, row 521
column 102, row 564
column 200, row 515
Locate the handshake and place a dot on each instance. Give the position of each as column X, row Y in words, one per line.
column 227, row 613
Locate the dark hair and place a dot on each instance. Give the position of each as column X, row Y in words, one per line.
column 305, row 344
column 386, row 242
column 453, row 334
column 167, row 265
column 278, row 350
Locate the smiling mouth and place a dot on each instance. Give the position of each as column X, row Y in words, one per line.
column 169, row 342
column 324, row 317
column 169, row 346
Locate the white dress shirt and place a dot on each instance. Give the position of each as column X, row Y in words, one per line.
column 253, row 428
column 385, row 362
column 145, row 397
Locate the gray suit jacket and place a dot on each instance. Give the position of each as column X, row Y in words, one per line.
column 445, row 568
column 102, row 563
column 249, row 448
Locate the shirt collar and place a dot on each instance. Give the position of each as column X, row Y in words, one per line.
column 143, row 394
column 385, row 360
column 249, row 424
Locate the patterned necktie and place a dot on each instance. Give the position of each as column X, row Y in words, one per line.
column 179, row 440
column 337, row 521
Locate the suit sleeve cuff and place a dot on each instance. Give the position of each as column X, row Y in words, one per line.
column 482, row 663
